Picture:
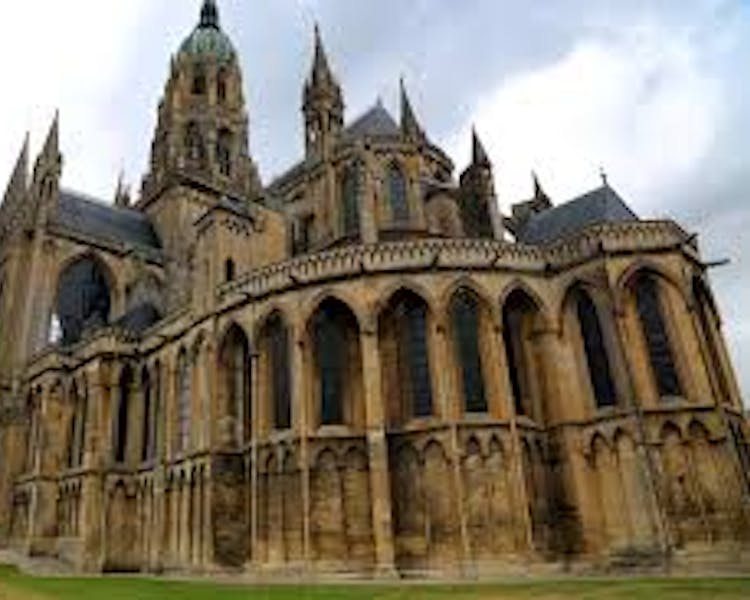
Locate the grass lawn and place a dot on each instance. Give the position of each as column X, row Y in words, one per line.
column 14, row 586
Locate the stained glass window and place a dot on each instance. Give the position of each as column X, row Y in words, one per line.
column 597, row 359
column 350, row 200
column 123, row 415
column 465, row 314
column 183, row 401
column 147, row 415
column 278, row 340
column 398, row 195
column 657, row 338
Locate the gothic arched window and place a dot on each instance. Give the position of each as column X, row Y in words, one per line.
column 656, row 335
column 276, row 337
column 146, row 448
column 183, row 401
column 229, row 270
column 224, row 152
column 83, row 299
column 397, row 192
column 196, row 151
column 235, row 367
column 519, row 316
column 199, row 81
column 221, row 86
column 406, row 362
column 77, row 427
column 597, row 358
column 125, row 388
column 336, row 340
column 465, row 318
column 350, row 200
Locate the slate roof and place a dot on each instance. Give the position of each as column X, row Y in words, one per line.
column 376, row 122
column 139, row 319
column 602, row 205
column 115, row 224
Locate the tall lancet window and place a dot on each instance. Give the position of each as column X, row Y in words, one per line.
column 350, row 200
column 123, row 415
column 279, row 371
column 196, row 152
column 397, row 192
column 183, row 401
column 465, row 316
column 656, row 334
column 597, row 359
column 224, row 152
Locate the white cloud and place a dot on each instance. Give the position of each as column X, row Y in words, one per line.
column 66, row 56
column 636, row 103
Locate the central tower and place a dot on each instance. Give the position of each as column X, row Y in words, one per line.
column 202, row 131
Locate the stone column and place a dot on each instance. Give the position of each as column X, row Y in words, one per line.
column 96, row 445
column 644, row 454
column 382, row 513
column 521, row 494
column 302, row 425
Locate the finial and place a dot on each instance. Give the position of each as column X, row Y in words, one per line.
column 209, row 14
column 603, row 175
column 541, row 198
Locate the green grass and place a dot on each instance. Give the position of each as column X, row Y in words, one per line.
column 14, row 585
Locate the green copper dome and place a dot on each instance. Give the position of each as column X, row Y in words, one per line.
column 207, row 39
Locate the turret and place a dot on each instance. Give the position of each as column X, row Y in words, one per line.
column 323, row 104
column 202, row 130
column 479, row 211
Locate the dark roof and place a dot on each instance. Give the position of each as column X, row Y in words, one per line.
column 90, row 217
column 601, row 205
column 376, row 122
column 139, row 319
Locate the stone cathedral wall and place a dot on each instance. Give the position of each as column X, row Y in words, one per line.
column 165, row 454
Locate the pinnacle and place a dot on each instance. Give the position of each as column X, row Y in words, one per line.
column 321, row 71
column 479, row 154
column 409, row 124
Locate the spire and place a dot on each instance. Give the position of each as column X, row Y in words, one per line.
column 321, row 71
column 209, row 15
column 122, row 192
column 479, row 154
column 410, row 126
column 20, row 175
column 52, row 143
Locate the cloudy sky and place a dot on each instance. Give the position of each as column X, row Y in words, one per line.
column 656, row 92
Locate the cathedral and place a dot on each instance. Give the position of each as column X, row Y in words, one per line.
column 362, row 368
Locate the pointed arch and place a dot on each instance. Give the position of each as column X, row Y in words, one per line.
column 349, row 186
column 224, row 151
column 184, row 393
column 194, row 144
column 465, row 309
column 235, row 382
column 404, row 345
column 398, row 194
column 595, row 352
column 222, row 81
column 122, row 415
column 274, row 345
column 147, row 395
column 521, row 318
column 334, row 331
column 710, row 336
column 84, row 296
column 647, row 297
